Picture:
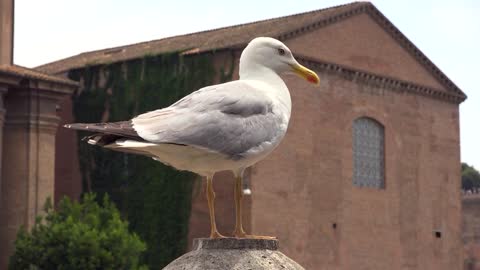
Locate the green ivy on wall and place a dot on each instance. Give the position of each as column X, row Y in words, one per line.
column 155, row 198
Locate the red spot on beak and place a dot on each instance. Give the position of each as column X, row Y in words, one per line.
column 312, row 79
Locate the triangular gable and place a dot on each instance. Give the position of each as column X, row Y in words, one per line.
column 375, row 24
column 361, row 43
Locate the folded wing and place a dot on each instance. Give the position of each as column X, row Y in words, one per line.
column 214, row 118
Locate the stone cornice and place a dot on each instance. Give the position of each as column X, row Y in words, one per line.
column 48, row 123
column 321, row 23
column 27, row 88
column 38, row 109
column 16, row 76
column 8, row 79
column 373, row 12
column 381, row 81
column 48, row 86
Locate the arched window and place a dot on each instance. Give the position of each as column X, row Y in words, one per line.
column 368, row 153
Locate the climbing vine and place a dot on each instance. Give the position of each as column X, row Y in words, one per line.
column 155, row 198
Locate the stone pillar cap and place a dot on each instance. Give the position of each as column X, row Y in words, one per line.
column 235, row 243
column 234, row 254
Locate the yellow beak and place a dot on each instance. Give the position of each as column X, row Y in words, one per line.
column 306, row 73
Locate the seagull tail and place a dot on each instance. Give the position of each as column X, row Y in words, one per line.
column 100, row 139
column 86, row 127
column 120, row 129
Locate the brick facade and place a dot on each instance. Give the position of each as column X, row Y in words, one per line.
column 303, row 189
column 471, row 231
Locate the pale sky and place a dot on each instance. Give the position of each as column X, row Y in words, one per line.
column 448, row 32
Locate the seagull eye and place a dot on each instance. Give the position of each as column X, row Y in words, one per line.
column 281, row 51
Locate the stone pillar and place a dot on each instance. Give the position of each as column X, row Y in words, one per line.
column 6, row 31
column 3, row 90
column 28, row 161
column 233, row 253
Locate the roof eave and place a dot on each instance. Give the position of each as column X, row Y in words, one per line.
column 18, row 80
column 381, row 80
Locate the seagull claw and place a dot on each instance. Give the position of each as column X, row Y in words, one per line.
column 248, row 236
column 216, row 235
column 242, row 235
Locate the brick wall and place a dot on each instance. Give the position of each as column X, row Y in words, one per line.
column 303, row 192
column 68, row 180
column 471, row 231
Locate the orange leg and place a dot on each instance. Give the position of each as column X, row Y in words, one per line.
column 238, row 192
column 239, row 232
column 211, row 207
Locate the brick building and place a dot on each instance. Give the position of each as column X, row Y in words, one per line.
column 471, row 231
column 368, row 174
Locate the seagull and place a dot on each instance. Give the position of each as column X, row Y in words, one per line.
column 228, row 126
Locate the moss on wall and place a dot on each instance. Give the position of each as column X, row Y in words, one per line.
column 155, row 198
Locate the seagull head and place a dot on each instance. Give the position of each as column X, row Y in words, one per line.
column 269, row 53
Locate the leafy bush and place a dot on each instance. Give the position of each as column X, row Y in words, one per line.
column 470, row 177
column 78, row 236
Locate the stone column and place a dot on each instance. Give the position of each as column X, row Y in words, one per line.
column 6, row 31
column 3, row 90
column 28, row 171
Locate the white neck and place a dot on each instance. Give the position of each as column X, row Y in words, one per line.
column 261, row 73
column 265, row 75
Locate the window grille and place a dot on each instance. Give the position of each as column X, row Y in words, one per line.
column 368, row 153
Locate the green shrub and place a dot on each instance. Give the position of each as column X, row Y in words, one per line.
column 78, row 236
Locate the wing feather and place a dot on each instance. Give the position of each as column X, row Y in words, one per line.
column 122, row 129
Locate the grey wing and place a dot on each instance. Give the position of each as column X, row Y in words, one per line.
column 229, row 118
